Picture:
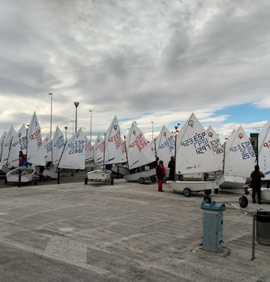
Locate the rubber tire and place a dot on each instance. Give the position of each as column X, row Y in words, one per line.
column 216, row 191
column 86, row 180
column 141, row 180
column 187, row 192
column 6, row 180
column 112, row 181
column 153, row 179
column 208, row 192
column 243, row 202
column 207, row 199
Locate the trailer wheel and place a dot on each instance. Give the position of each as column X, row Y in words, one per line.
column 112, row 181
column 187, row 192
column 86, row 180
column 6, row 180
column 207, row 199
column 153, row 179
column 207, row 192
column 243, row 201
column 216, row 191
column 141, row 180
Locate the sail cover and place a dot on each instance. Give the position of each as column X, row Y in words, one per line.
column 194, row 153
column 165, row 145
column 99, row 150
column 240, row 157
column 19, row 143
column 264, row 150
column 7, row 145
column 139, row 151
column 73, row 156
column 35, row 149
column 216, row 146
column 114, row 153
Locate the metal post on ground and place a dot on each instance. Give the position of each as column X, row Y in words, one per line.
column 253, row 235
column 58, row 176
column 20, row 179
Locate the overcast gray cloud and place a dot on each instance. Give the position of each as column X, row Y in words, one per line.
column 128, row 58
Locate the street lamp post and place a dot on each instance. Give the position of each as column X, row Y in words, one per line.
column 66, row 132
column 152, row 130
column 51, row 117
column 73, row 121
column 90, row 126
column 76, row 104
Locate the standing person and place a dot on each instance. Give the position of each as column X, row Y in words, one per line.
column 161, row 173
column 256, row 183
column 171, row 166
column 22, row 159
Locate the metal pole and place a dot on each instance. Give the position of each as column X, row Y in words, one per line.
column 253, row 236
column 90, row 126
column 152, row 130
column 66, row 132
column 51, row 117
column 76, row 104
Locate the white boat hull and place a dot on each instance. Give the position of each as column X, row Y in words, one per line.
column 26, row 175
column 3, row 169
column 99, row 175
column 193, row 186
column 227, row 182
column 141, row 176
column 50, row 173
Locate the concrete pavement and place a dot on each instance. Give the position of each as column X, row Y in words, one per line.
column 125, row 232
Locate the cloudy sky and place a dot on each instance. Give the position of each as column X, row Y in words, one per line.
column 143, row 60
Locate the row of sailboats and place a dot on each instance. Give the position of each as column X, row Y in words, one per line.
column 197, row 152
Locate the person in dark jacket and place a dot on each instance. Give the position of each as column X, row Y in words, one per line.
column 256, row 183
column 171, row 166
column 161, row 173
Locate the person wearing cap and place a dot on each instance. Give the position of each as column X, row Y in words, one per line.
column 161, row 173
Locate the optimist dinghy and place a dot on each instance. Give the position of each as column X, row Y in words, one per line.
column 264, row 151
column 194, row 154
column 25, row 173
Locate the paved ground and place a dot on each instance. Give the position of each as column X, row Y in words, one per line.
column 126, row 232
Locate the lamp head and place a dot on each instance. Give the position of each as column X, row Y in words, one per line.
column 76, row 104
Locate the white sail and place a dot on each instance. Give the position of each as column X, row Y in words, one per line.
column 2, row 139
column 35, row 149
column 48, row 148
column 73, row 156
column 165, row 145
column 99, row 150
column 7, row 145
column 240, row 157
column 113, row 145
column 264, row 150
column 19, row 143
column 139, row 150
column 58, row 144
column 229, row 141
column 216, row 146
column 89, row 150
column 194, row 153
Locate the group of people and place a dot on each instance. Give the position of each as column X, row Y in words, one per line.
column 255, row 176
column 161, row 172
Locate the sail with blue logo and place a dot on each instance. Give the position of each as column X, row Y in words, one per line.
column 35, row 148
column 194, row 153
column 7, row 145
column 19, row 143
column 165, row 145
column 139, row 151
column 114, row 149
column 240, row 157
column 58, row 144
column 73, row 156
column 48, row 148
column 99, row 150
column 264, row 150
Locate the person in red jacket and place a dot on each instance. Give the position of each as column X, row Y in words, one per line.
column 256, row 183
column 161, row 173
